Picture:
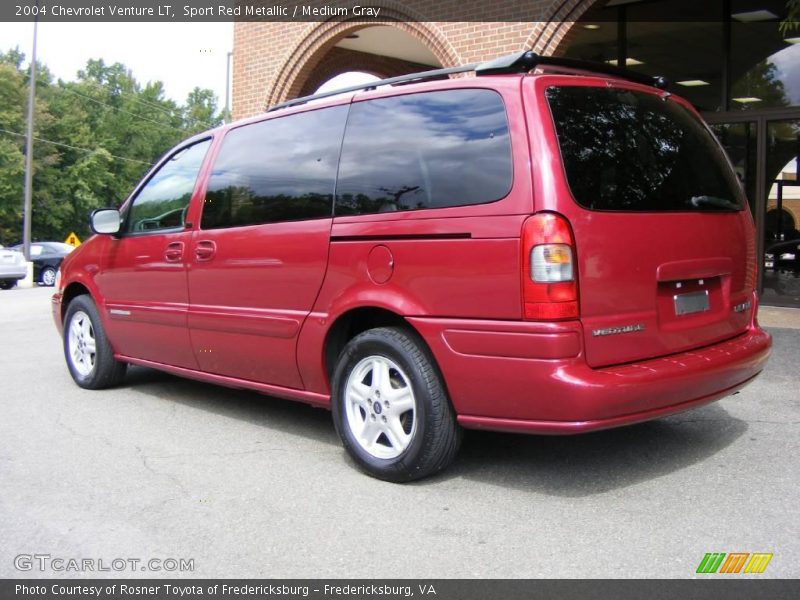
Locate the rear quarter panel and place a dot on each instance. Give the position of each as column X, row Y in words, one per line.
column 460, row 262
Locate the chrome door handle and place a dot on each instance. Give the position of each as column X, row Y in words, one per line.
column 205, row 250
column 174, row 252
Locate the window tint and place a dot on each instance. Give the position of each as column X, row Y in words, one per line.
column 633, row 151
column 283, row 169
column 430, row 150
column 163, row 201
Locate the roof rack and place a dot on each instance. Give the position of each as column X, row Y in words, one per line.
column 521, row 62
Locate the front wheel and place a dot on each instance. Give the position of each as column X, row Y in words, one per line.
column 390, row 406
column 89, row 355
column 7, row 284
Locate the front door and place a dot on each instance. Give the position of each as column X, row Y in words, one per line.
column 143, row 279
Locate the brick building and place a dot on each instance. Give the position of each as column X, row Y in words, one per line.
column 274, row 61
column 729, row 57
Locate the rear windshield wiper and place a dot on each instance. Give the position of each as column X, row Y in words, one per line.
column 698, row 201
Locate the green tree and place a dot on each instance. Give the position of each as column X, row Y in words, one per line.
column 12, row 159
column 791, row 22
column 96, row 137
column 13, row 109
column 200, row 111
column 762, row 81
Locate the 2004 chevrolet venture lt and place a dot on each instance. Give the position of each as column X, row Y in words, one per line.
column 547, row 247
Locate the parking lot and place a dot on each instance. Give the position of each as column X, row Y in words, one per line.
column 251, row 486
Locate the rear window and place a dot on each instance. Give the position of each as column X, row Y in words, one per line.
column 633, row 151
column 429, row 150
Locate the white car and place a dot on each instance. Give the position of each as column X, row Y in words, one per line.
column 12, row 268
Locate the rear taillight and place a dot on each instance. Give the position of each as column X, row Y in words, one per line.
column 549, row 273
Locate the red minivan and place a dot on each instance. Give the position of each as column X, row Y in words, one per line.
column 536, row 249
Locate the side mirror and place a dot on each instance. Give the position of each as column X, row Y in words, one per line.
column 105, row 221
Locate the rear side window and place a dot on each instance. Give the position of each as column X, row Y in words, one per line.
column 634, row 151
column 430, row 150
column 279, row 170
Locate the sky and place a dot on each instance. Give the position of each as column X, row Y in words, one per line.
column 346, row 80
column 788, row 63
column 181, row 55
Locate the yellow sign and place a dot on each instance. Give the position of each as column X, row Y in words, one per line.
column 72, row 240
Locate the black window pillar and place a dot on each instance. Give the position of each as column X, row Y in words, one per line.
column 725, row 104
column 622, row 36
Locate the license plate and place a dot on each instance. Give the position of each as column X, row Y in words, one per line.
column 687, row 304
column 768, row 264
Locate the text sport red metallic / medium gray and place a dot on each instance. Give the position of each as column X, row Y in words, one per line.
column 552, row 252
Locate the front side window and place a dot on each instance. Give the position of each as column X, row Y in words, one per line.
column 428, row 150
column 283, row 169
column 164, row 200
column 635, row 151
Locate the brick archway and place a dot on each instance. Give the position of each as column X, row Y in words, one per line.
column 296, row 74
column 553, row 36
column 274, row 61
column 789, row 211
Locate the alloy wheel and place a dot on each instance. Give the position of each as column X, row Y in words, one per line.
column 380, row 407
column 82, row 344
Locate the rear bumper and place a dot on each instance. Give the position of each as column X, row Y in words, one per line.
column 573, row 427
column 13, row 273
column 542, row 384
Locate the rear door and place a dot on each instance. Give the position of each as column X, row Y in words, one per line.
column 666, row 248
column 259, row 258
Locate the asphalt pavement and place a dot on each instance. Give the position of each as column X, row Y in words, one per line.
column 246, row 485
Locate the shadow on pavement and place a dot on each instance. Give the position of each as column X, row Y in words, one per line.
column 266, row 411
column 570, row 466
column 595, row 463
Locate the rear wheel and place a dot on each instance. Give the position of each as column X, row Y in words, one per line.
column 390, row 407
column 89, row 355
column 7, row 284
column 48, row 277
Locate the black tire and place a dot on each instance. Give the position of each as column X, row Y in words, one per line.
column 103, row 371
column 48, row 274
column 435, row 435
column 7, row 284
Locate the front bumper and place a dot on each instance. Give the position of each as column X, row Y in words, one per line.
column 55, row 306
column 533, row 377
